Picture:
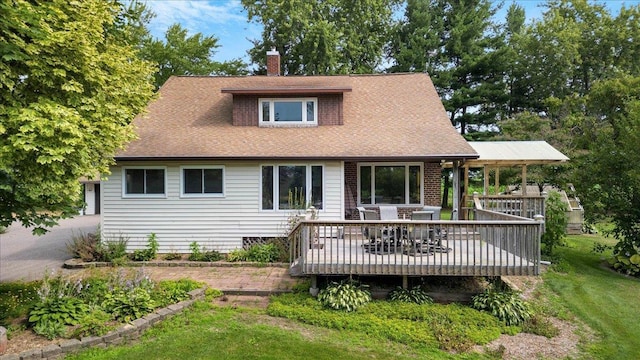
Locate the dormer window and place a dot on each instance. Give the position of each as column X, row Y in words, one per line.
column 288, row 111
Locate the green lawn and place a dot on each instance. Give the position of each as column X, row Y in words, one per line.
column 606, row 301
column 580, row 287
column 207, row 332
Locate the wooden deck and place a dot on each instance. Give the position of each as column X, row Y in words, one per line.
column 469, row 248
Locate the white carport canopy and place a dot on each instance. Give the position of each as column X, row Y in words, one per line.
column 496, row 154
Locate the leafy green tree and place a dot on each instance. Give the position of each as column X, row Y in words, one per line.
column 458, row 43
column 608, row 175
column 70, row 86
column 321, row 37
column 180, row 54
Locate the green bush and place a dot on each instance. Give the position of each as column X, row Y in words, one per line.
column 129, row 297
column 504, row 304
column 115, row 250
column 95, row 323
column 414, row 295
column 85, row 246
column 539, row 325
column 50, row 329
column 238, row 255
column 346, row 295
column 150, row 252
column 202, row 254
column 263, row 253
column 555, row 222
column 173, row 256
column 128, row 305
column 170, row 292
column 65, row 310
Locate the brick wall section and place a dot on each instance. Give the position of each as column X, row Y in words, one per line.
column 432, row 183
column 245, row 109
column 431, row 180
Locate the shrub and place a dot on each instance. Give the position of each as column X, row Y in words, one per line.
column 174, row 255
column 202, row 254
column 129, row 297
column 555, row 222
column 504, row 304
column 169, row 292
column 65, row 310
column 128, row 305
column 539, row 325
column 115, row 250
column 50, row 329
column 85, row 246
column 150, row 252
column 415, row 295
column 281, row 248
column 265, row 253
column 238, row 255
column 95, row 323
column 346, row 295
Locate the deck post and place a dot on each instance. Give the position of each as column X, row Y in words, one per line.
column 313, row 290
column 405, row 282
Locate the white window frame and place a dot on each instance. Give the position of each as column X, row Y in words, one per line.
column 276, row 185
column 201, row 195
column 124, row 182
column 273, row 122
column 407, row 194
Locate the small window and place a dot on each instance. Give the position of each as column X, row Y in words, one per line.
column 141, row 181
column 203, row 181
column 283, row 112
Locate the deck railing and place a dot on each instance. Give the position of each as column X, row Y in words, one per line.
column 519, row 205
column 416, row 248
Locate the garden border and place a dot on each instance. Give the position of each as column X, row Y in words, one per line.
column 121, row 335
column 79, row 264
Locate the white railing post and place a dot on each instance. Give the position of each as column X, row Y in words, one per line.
column 540, row 219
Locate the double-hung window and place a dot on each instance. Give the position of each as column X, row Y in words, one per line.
column 390, row 184
column 203, row 181
column 144, row 181
column 287, row 187
column 288, row 111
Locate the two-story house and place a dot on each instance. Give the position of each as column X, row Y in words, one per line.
column 218, row 158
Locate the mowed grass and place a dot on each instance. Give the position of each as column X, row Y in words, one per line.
column 210, row 332
column 608, row 302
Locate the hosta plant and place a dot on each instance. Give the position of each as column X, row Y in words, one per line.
column 505, row 304
column 346, row 295
column 414, row 295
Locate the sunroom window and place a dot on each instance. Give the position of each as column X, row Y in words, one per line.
column 288, row 111
column 286, row 187
column 390, row 184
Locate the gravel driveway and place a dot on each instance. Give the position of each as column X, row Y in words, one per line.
column 24, row 256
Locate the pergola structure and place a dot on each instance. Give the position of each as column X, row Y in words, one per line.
column 500, row 154
column 497, row 154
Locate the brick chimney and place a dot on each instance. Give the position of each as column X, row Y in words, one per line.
column 273, row 63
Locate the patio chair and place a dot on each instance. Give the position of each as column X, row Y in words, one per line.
column 420, row 236
column 439, row 233
column 388, row 213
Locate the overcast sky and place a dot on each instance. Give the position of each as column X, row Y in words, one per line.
column 227, row 20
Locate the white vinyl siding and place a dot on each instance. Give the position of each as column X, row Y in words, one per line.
column 217, row 223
